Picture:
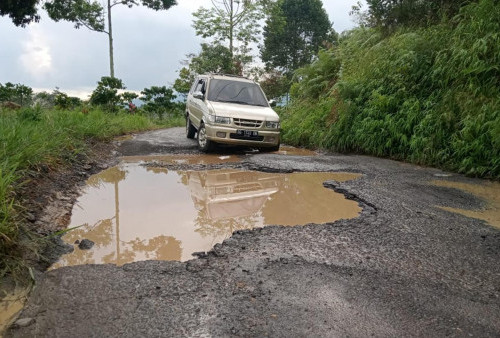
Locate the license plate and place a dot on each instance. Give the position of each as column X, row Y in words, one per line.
column 247, row 133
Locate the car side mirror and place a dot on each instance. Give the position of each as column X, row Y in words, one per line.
column 199, row 95
column 272, row 103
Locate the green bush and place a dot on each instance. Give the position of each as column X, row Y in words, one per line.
column 429, row 95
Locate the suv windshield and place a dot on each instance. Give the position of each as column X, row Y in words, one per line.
column 236, row 92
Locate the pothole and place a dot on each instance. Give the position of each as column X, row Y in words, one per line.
column 184, row 159
column 288, row 150
column 11, row 303
column 135, row 213
column 488, row 192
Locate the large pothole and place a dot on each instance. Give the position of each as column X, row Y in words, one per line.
column 133, row 212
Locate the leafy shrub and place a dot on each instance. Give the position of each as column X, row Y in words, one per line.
column 428, row 95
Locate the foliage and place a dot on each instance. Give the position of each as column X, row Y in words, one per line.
column 86, row 13
column 158, row 100
column 428, row 95
column 21, row 12
column 17, row 93
column 129, row 96
column 275, row 85
column 63, row 101
column 231, row 21
column 390, row 14
column 294, row 31
column 106, row 93
column 183, row 83
column 51, row 139
column 212, row 59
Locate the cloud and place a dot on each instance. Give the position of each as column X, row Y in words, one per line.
column 36, row 57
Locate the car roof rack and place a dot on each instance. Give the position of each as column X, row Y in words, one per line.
column 230, row 75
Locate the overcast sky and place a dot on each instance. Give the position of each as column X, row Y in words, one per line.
column 148, row 48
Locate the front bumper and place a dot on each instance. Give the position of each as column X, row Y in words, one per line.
column 228, row 135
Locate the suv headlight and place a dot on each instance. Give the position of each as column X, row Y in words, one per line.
column 272, row 125
column 219, row 119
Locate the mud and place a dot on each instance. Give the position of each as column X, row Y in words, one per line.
column 402, row 268
column 488, row 192
column 183, row 212
column 12, row 300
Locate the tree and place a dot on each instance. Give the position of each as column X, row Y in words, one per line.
column 234, row 22
column 90, row 14
column 275, row 85
column 158, row 100
column 17, row 93
column 212, row 59
column 106, row 93
column 390, row 14
column 21, row 12
column 63, row 101
column 294, row 32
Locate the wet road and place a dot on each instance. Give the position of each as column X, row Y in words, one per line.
column 411, row 264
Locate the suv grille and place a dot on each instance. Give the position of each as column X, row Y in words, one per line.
column 247, row 123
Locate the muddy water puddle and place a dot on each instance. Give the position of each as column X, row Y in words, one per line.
column 489, row 192
column 135, row 213
column 11, row 304
column 288, row 150
column 184, row 159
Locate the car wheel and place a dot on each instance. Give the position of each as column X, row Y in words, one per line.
column 190, row 129
column 204, row 144
column 269, row 149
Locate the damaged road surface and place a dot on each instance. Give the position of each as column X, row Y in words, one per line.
column 415, row 259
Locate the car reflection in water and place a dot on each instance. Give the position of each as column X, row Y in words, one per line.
column 135, row 213
column 230, row 200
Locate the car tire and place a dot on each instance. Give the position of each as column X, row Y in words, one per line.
column 204, row 144
column 190, row 129
column 269, row 149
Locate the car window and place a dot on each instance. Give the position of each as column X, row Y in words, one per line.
column 236, row 92
column 193, row 86
column 200, row 86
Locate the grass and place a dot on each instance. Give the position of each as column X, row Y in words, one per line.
column 426, row 95
column 33, row 137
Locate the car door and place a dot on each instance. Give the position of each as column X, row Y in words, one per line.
column 198, row 106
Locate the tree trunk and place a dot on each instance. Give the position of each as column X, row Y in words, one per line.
column 110, row 36
column 231, row 28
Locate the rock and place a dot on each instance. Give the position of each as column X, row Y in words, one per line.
column 61, row 197
column 30, row 217
column 23, row 322
column 77, row 242
column 201, row 254
column 103, row 166
column 85, row 244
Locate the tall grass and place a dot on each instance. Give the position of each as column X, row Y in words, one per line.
column 33, row 137
column 428, row 95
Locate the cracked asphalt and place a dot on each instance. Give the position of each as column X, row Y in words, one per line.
column 402, row 268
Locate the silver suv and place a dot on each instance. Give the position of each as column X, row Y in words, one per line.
column 231, row 110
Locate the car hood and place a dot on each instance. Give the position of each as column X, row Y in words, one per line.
column 243, row 111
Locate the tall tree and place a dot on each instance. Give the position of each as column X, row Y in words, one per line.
column 294, row 32
column 91, row 14
column 390, row 14
column 233, row 23
column 212, row 59
column 21, row 12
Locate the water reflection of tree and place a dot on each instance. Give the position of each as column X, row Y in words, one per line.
column 160, row 248
column 111, row 175
column 101, row 234
column 208, row 227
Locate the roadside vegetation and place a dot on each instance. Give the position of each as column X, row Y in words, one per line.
column 50, row 130
column 424, row 90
